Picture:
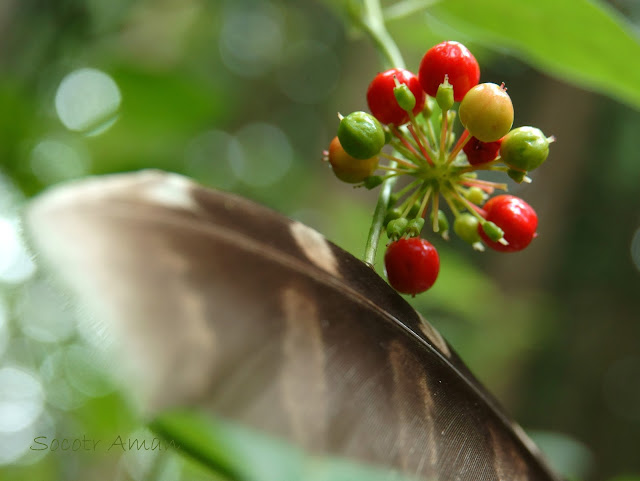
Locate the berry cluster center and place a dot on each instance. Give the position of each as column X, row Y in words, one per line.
column 410, row 133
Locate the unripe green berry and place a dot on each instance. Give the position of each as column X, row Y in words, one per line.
column 487, row 112
column 373, row 181
column 429, row 105
column 396, row 228
column 516, row 175
column 415, row 208
column 466, row 227
column 361, row 135
column 414, row 227
column 494, row 232
column 444, row 95
column 476, row 195
column 392, row 214
column 405, row 98
column 524, row 148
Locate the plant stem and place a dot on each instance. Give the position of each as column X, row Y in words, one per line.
column 372, row 22
column 420, row 145
column 435, row 207
column 398, row 160
column 462, row 141
column 407, row 8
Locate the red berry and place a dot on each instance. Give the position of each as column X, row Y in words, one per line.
column 452, row 59
column 412, row 265
column 382, row 101
column 479, row 152
column 515, row 217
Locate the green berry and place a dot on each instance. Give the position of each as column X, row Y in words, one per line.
column 392, row 214
column 476, row 195
column 524, row 148
column 405, row 98
column 361, row 135
column 373, row 181
column 444, row 95
column 415, row 208
column 429, row 105
column 516, row 175
column 396, row 228
column 466, row 227
column 493, row 232
column 414, row 227
column 487, row 112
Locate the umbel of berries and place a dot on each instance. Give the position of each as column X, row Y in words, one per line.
column 414, row 132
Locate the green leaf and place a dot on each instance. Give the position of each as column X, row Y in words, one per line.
column 241, row 454
column 582, row 41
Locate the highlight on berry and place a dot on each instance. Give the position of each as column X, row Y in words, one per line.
column 440, row 130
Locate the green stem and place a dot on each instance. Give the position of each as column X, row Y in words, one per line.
column 435, row 207
column 407, row 8
column 410, row 201
column 472, row 208
column 398, row 160
column 452, row 205
column 399, row 147
column 407, row 188
column 425, row 201
column 372, row 22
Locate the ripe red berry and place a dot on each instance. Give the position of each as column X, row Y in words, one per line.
column 452, row 59
column 412, row 265
column 479, row 152
column 515, row 217
column 382, row 101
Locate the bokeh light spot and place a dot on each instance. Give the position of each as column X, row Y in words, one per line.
column 15, row 262
column 87, row 371
column 54, row 161
column 21, row 399
column 311, row 74
column 43, row 314
column 207, row 158
column 87, row 101
column 251, row 37
column 59, row 392
column 13, row 445
column 265, row 155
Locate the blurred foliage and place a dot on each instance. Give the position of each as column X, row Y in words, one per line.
column 242, row 95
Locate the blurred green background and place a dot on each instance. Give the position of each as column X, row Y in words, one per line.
column 243, row 96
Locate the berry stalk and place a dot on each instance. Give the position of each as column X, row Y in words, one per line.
column 372, row 22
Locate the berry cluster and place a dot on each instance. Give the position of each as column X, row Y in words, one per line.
column 415, row 115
